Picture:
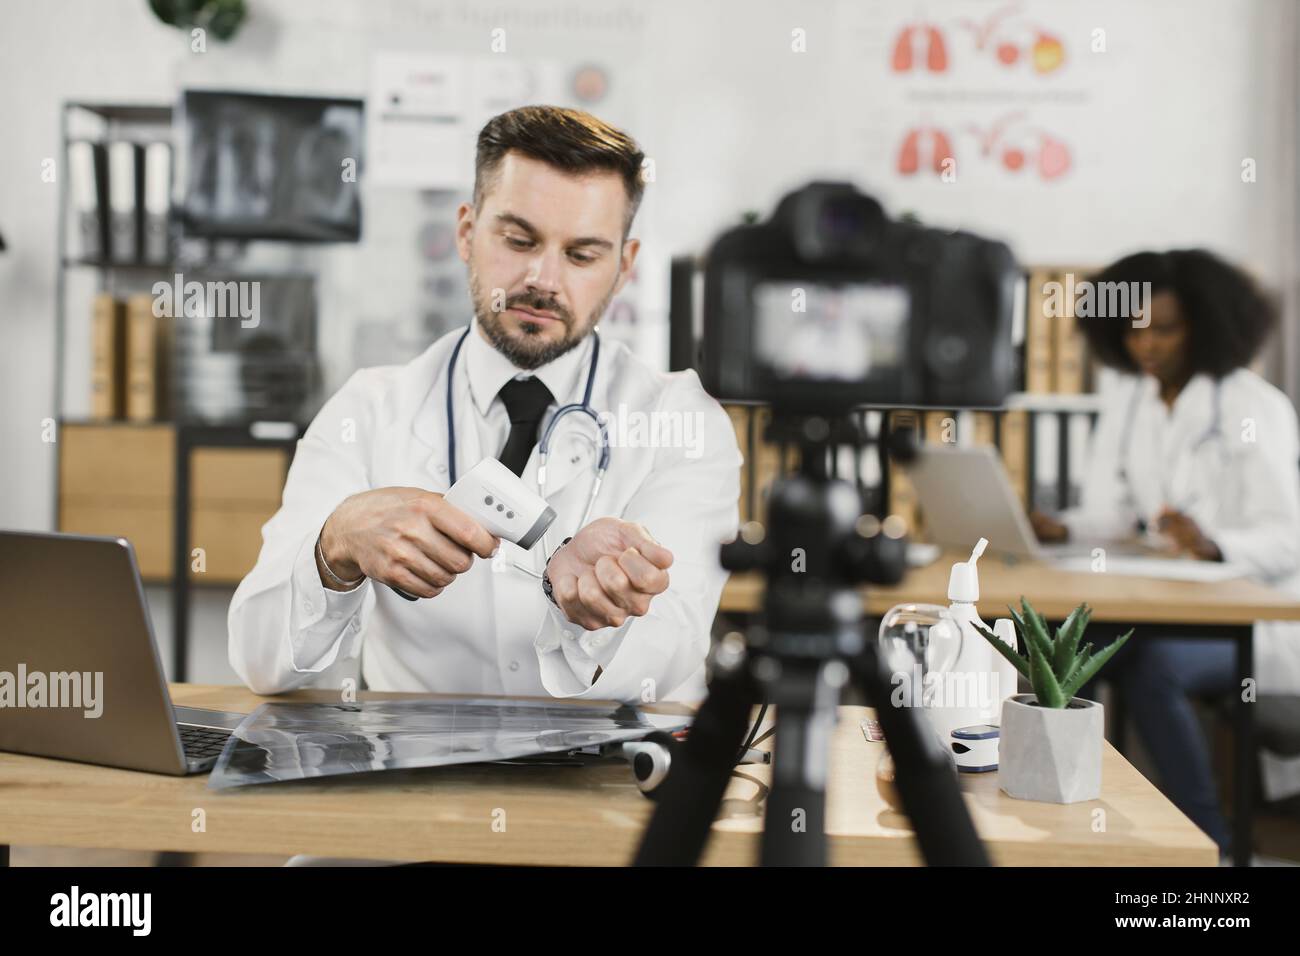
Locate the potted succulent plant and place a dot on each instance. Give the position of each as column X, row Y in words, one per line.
column 1050, row 740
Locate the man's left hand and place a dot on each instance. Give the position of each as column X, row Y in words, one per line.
column 608, row 573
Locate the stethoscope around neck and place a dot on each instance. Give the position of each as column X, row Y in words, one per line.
column 543, row 447
column 1214, row 431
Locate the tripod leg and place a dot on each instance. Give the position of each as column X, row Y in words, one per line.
column 795, row 822
column 925, row 780
column 697, row 779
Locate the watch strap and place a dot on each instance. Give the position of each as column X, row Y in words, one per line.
column 546, row 577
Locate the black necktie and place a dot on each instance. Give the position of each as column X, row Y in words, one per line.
column 526, row 401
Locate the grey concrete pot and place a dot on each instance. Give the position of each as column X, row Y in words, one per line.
column 1050, row 754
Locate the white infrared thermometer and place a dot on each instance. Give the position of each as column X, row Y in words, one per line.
column 497, row 498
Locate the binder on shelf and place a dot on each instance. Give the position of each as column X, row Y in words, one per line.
column 1040, row 360
column 982, row 430
column 1015, row 451
column 157, row 202
column 147, row 348
column 1071, row 372
column 108, row 358
column 903, row 500
column 124, row 221
column 873, row 425
column 1078, row 433
column 88, row 226
column 1046, row 465
column 862, row 465
column 739, row 415
column 940, row 427
column 849, row 465
column 769, row 463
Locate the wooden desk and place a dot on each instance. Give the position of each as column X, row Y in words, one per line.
column 1225, row 610
column 553, row 815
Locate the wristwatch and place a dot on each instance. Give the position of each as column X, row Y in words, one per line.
column 546, row 577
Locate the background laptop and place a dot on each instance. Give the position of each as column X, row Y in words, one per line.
column 72, row 603
column 966, row 495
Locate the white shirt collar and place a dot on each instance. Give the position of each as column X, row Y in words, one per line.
column 489, row 370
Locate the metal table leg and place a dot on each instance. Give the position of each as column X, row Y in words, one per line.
column 181, row 560
column 1119, row 717
column 1243, row 783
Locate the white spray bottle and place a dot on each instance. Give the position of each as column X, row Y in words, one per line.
column 970, row 693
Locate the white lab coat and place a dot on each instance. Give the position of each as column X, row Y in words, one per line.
column 492, row 630
column 1239, row 480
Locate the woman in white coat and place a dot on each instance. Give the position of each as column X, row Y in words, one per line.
column 1194, row 448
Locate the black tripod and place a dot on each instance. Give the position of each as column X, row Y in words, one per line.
column 812, row 644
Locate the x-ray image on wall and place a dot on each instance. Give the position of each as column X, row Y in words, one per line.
column 271, row 167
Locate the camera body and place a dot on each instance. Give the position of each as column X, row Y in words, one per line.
column 829, row 305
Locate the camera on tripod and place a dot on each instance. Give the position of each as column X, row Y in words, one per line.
column 830, row 305
column 824, row 308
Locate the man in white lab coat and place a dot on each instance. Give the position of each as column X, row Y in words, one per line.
column 633, row 594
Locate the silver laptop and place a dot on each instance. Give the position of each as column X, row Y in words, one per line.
column 966, row 495
column 80, row 677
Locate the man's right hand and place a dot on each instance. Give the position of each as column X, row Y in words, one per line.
column 404, row 537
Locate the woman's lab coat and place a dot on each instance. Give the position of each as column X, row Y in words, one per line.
column 1229, row 457
column 493, row 630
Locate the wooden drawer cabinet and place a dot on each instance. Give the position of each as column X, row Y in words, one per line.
column 237, row 477
column 147, row 525
column 119, row 480
column 104, row 462
column 230, row 540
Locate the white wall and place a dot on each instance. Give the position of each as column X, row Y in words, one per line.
column 1159, row 124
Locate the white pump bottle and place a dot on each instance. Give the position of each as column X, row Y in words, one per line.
column 973, row 690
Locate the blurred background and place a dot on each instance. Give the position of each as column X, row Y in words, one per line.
column 316, row 152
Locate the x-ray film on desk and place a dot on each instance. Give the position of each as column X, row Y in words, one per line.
column 298, row 741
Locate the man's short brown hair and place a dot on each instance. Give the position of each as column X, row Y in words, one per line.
column 570, row 140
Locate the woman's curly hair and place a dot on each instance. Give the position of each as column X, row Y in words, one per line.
column 1228, row 315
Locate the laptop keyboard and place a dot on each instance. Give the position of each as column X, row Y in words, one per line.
column 201, row 743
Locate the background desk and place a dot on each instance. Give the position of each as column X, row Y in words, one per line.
column 1224, row 610
column 553, row 815
column 1113, row 598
